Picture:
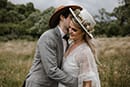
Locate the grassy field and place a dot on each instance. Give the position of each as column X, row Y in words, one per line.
column 16, row 58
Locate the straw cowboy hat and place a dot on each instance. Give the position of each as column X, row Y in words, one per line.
column 55, row 17
column 84, row 19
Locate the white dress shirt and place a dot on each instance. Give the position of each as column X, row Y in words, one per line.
column 63, row 40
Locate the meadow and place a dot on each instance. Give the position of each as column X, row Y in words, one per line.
column 16, row 57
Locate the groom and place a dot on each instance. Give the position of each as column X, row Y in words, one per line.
column 46, row 68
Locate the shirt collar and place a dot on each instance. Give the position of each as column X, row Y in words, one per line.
column 61, row 32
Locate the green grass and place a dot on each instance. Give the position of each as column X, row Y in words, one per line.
column 16, row 58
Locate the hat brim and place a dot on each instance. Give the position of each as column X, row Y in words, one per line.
column 54, row 18
column 79, row 22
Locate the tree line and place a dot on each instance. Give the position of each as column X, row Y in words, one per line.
column 116, row 23
column 20, row 21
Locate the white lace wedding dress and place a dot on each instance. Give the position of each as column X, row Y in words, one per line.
column 81, row 63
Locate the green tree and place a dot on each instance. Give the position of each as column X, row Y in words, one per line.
column 29, row 8
column 112, row 29
column 103, row 20
column 3, row 13
column 10, row 6
column 31, row 19
column 116, row 23
column 16, row 19
column 14, row 16
column 42, row 24
column 3, row 3
column 21, row 9
column 122, row 13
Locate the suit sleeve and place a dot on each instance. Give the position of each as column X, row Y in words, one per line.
column 47, row 49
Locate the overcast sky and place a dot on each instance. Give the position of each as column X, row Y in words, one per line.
column 92, row 5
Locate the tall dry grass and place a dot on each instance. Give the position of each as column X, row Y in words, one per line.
column 15, row 61
column 115, row 59
column 16, row 58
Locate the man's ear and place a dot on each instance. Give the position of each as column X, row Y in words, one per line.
column 62, row 17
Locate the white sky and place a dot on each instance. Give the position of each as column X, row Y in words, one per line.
column 91, row 5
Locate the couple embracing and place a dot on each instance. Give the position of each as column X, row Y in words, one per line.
column 57, row 65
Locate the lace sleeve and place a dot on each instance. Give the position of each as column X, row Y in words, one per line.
column 87, row 67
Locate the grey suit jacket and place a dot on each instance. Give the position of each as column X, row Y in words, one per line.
column 46, row 69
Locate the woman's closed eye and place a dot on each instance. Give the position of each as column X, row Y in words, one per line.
column 75, row 30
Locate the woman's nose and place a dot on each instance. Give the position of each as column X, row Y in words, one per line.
column 70, row 30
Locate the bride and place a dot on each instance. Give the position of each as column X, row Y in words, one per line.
column 80, row 58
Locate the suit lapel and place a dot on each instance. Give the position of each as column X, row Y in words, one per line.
column 59, row 39
column 60, row 46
